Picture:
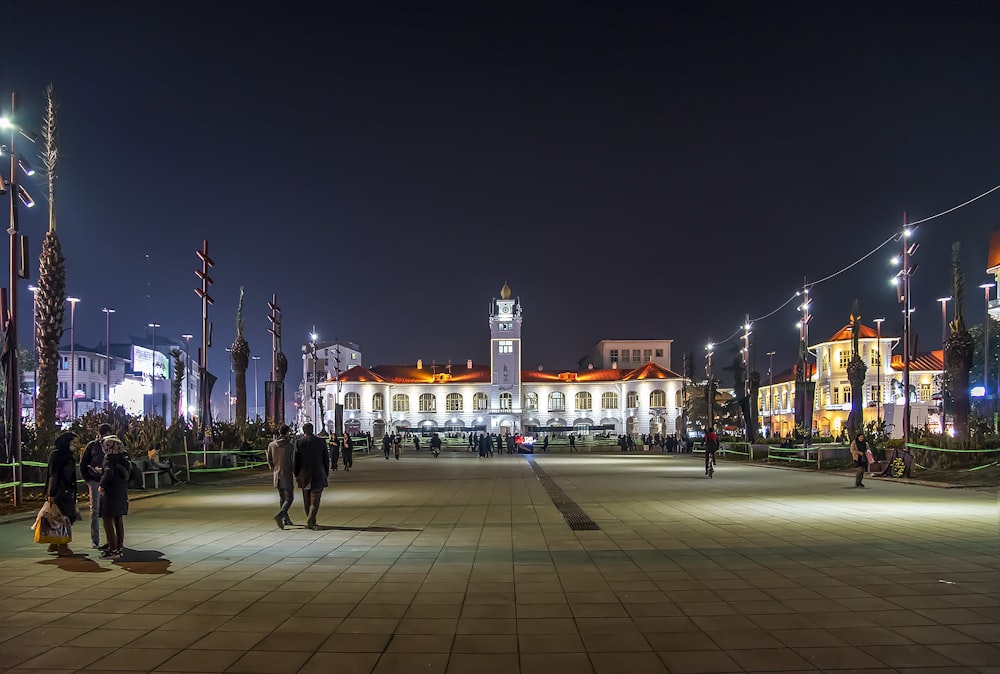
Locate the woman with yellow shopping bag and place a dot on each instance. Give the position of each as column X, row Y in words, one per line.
column 55, row 526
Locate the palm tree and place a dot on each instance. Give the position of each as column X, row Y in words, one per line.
column 959, row 349
column 240, row 354
column 175, row 385
column 51, row 294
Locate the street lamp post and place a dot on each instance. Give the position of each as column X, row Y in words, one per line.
column 878, row 352
column 770, row 391
column 154, row 326
column 710, row 395
column 256, row 387
column 107, row 353
column 229, row 389
column 944, row 338
column 72, row 354
column 986, row 346
column 187, row 376
column 314, row 391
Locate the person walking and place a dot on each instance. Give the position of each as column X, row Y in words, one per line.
column 114, row 494
column 397, row 445
column 311, row 463
column 711, row 447
column 545, row 444
column 279, row 460
column 572, row 442
column 347, row 451
column 386, row 444
column 91, row 464
column 60, row 485
column 335, row 445
column 859, row 452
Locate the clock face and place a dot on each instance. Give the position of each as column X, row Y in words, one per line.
column 505, row 309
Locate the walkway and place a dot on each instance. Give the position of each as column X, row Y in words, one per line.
column 460, row 564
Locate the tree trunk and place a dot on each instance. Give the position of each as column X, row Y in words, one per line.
column 958, row 361
column 51, row 304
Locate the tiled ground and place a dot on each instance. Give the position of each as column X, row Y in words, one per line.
column 459, row 564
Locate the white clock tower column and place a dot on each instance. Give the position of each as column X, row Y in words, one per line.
column 505, row 361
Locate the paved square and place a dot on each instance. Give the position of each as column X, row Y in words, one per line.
column 460, row 564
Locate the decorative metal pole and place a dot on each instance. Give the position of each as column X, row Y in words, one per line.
column 72, row 354
column 107, row 353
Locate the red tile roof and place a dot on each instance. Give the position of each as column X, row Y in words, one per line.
column 360, row 374
column 480, row 374
column 845, row 334
column 650, row 371
column 928, row 362
column 993, row 261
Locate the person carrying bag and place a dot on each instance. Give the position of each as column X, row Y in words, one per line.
column 54, row 522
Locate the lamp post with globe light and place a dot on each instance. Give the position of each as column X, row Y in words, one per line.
column 187, row 375
column 72, row 354
column 315, row 390
column 256, row 400
column 154, row 326
column 34, row 339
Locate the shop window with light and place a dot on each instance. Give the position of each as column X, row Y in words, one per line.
column 658, row 398
column 427, row 402
column 531, row 401
column 631, row 399
column 378, row 402
column 454, row 403
column 506, row 401
column 583, row 401
column 400, row 402
column 609, row 400
column 480, row 402
column 925, row 393
column 352, row 401
column 845, row 358
column 557, row 402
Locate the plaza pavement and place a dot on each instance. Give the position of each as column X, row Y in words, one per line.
column 460, row 564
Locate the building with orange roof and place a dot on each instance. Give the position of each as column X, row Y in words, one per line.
column 993, row 267
column 502, row 397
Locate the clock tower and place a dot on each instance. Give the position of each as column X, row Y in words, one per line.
column 505, row 362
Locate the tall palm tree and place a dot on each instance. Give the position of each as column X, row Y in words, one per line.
column 51, row 293
column 959, row 349
column 240, row 354
column 178, row 380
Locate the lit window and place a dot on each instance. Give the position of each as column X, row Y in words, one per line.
column 480, row 402
column 400, row 403
column 836, row 396
column 352, row 401
column 506, row 401
column 531, row 401
column 427, row 402
column 631, row 399
column 378, row 402
column 557, row 402
column 925, row 393
column 505, row 346
column 583, row 401
column 875, row 357
column 876, row 395
column 658, row 398
column 453, row 402
column 845, row 358
column 609, row 400
column 614, row 355
column 847, row 394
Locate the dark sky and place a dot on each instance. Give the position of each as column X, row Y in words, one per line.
column 632, row 169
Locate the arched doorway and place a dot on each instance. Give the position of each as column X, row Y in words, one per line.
column 378, row 428
column 630, row 426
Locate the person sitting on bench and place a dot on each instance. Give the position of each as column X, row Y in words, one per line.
column 152, row 462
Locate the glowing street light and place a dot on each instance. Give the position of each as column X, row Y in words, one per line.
column 72, row 352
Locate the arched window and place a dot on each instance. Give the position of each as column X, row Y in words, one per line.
column 480, row 402
column 583, row 401
column 378, row 402
column 400, row 402
column 427, row 402
column 609, row 400
column 453, row 402
column 658, row 398
column 506, row 401
column 352, row 401
column 875, row 357
column 631, row 399
column 557, row 402
column 678, row 400
column 531, row 401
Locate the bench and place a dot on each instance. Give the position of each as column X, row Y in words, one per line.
column 156, row 478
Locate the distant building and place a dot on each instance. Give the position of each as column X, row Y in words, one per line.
column 993, row 267
column 501, row 397
column 627, row 354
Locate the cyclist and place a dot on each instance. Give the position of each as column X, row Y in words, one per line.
column 711, row 446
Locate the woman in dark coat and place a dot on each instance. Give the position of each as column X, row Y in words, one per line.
column 114, row 494
column 60, row 485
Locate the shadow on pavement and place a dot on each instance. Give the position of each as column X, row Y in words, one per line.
column 320, row 527
column 78, row 563
column 149, row 562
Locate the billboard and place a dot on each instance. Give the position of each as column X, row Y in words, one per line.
column 142, row 362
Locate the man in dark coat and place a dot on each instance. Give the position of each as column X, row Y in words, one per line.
column 279, row 460
column 91, row 464
column 311, row 464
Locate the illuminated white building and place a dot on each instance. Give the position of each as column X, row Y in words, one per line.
column 501, row 397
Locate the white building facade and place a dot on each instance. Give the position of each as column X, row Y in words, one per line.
column 503, row 398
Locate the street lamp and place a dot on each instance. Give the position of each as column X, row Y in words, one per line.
column 710, row 396
column 72, row 353
column 770, row 391
column 107, row 353
column 314, row 391
column 878, row 351
column 229, row 390
column 256, row 400
column 986, row 345
column 187, row 375
column 154, row 326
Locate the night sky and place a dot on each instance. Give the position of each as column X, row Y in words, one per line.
column 631, row 169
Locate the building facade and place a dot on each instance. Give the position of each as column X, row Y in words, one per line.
column 627, row 354
column 503, row 398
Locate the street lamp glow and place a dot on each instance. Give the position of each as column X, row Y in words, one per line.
column 894, row 261
column 313, row 336
column 710, row 346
